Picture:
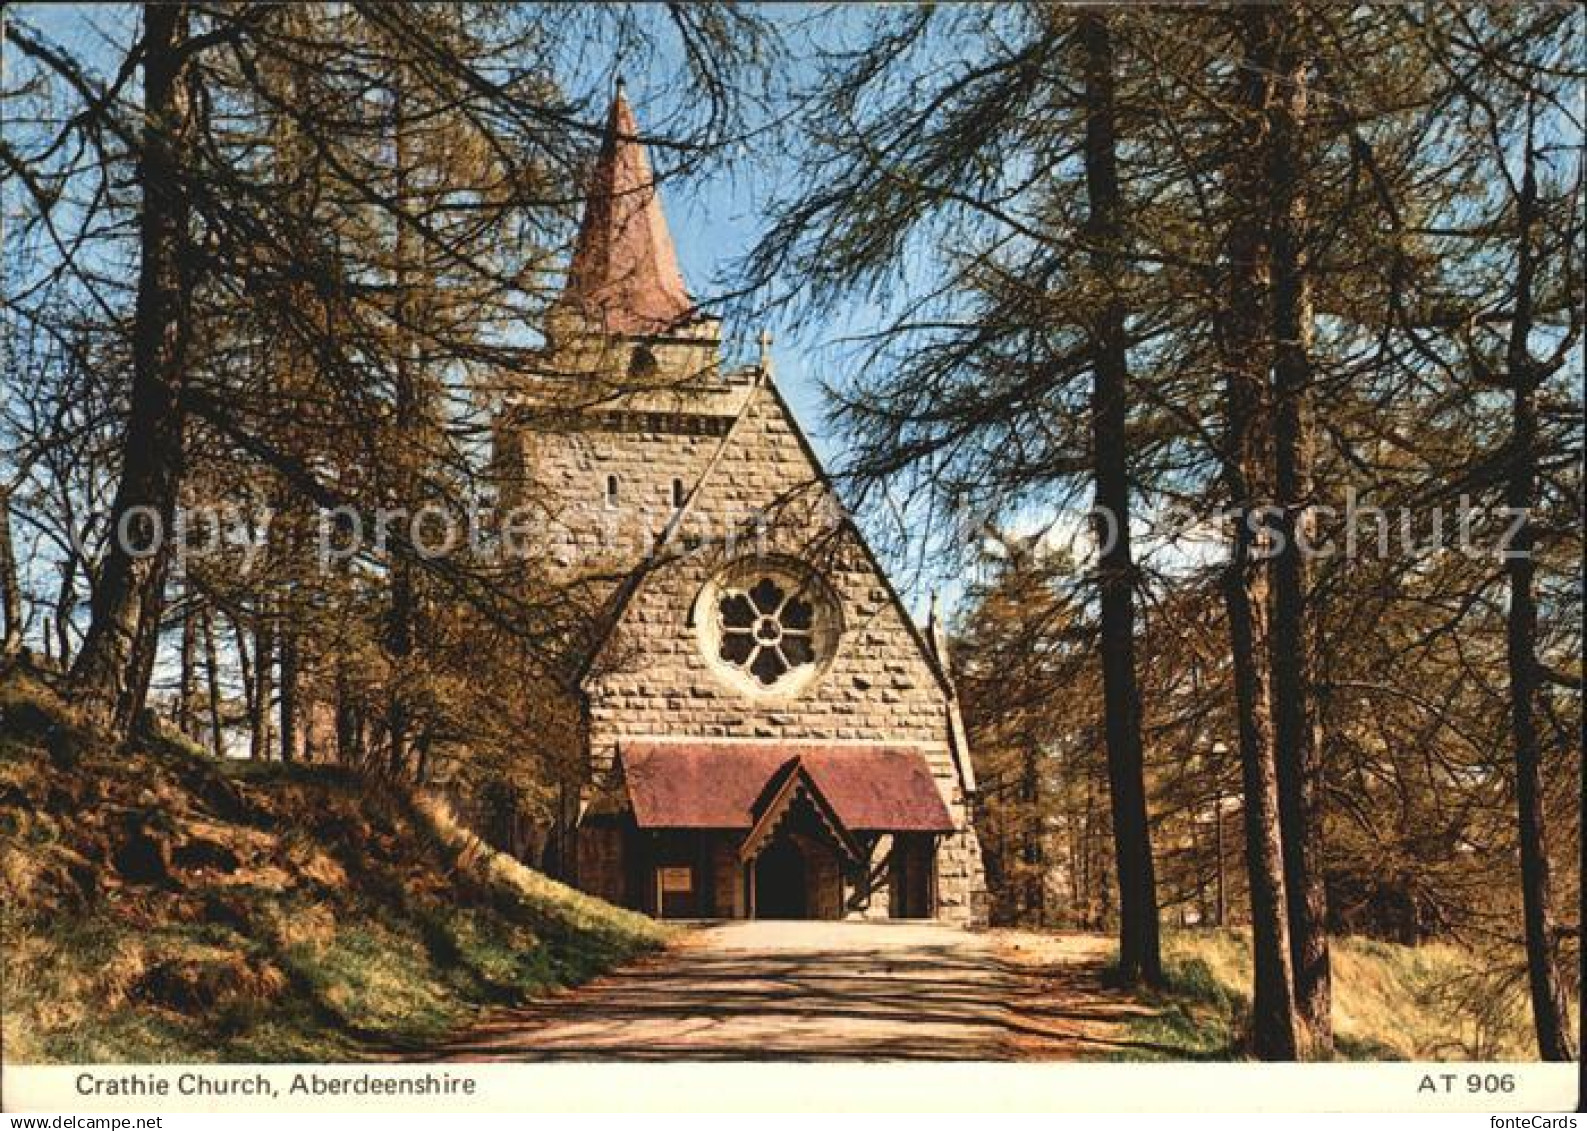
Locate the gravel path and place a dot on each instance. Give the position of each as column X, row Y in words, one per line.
column 766, row 990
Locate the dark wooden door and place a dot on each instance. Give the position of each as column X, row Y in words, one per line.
column 780, row 882
column 910, row 894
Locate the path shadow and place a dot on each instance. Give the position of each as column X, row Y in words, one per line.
column 921, row 1002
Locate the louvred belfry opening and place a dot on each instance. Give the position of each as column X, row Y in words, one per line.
column 624, row 277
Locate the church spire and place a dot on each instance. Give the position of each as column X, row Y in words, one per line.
column 624, row 275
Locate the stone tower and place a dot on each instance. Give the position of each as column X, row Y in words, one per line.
column 765, row 731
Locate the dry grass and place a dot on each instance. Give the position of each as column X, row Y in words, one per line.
column 1437, row 1001
column 160, row 906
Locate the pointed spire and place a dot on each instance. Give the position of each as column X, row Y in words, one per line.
column 624, row 273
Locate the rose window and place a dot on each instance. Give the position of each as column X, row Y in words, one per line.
column 766, row 630
column 768, row 626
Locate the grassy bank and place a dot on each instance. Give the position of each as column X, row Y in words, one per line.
column 1431, row 1002
column 160, row 906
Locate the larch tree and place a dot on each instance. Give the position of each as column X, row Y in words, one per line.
column 1246, row 462
column 112, row 669
column 1000, row 384
column 1510, row 77
column 1140, row 956
column 1297, row 753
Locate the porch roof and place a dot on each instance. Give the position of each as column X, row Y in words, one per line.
column 715, row 785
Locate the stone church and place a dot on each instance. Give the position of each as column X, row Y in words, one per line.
column 764, row 731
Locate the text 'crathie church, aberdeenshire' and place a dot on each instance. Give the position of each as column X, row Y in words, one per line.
column 764, row 732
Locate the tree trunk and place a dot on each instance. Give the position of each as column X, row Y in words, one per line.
column 1245, row 597
column 1140, row 956
column 1217, row 847
column 289, row 695
column 112, row 668
column 260, row 738
column 421, row 768
column 348, row 748
column 399, row 646
column 10, row 583
column 65, row 602
column 187, row 692
column 1245, row 584
column 212, row 674
column 1076, row 861
column 244, row 665
column 1087, row 860
column 1550, row 1007
column 1297, row 753
column 1033, row 856
column 400, row 614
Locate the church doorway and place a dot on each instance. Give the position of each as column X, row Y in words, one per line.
column 910, row 878
column 780, row 889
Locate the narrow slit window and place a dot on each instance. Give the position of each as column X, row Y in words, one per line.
column 642, row 363
column 677, row 492
column 611, row 490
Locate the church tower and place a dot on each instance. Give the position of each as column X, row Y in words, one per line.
column 766, row 732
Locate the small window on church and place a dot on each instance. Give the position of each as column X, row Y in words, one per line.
column 677, row 492
column 611, row 490
column 642, row 363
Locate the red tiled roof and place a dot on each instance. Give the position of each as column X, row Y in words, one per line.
column 712, row 785
column 624, row 272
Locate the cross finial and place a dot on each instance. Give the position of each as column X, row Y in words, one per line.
column 765, row 348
